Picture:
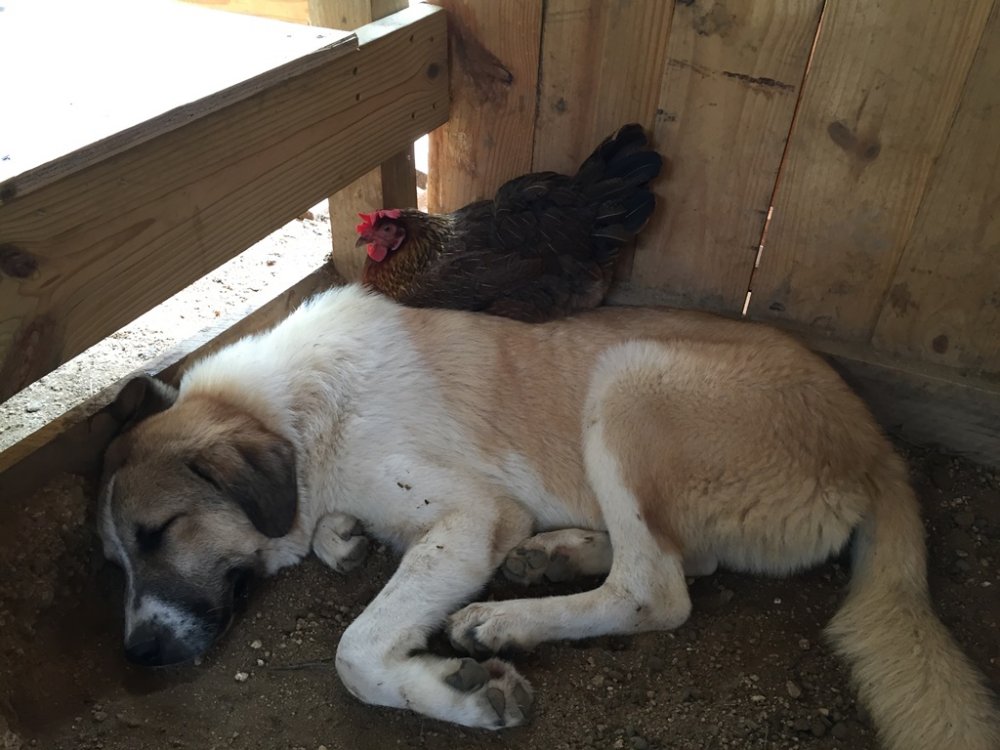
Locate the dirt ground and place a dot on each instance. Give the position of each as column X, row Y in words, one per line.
column 749, row 670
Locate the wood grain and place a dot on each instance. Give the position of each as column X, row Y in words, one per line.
column 494, row 74
column 94, row 250
column 601, row 65
column 732, row 80
column 391, row 185
column 75, row 442
column 943, row 305
column 878, row 101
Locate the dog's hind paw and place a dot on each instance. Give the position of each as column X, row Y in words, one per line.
column 500, row 696
column 559, row 556
column 339, row 541
column 525, row 565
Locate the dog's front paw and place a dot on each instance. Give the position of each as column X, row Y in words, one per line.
column 486, row 628
column 500, row 697
column 339, row 541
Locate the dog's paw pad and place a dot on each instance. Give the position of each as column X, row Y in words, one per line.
column 530, row 565
column 500, row 696
column 470, row 676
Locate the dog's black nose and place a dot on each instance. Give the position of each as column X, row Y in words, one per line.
column 144, row 646
column 152, row 646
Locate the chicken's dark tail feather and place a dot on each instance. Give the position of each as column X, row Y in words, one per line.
column 616, row 177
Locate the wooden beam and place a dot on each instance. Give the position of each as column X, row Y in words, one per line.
column 75, row 442
column 85, row 254
column 225, row 56
column 494, row 62
column 394, row 183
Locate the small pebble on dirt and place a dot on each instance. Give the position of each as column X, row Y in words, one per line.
column 794, row 690
column 965, row 519
column 241, row 677
column 32, row 406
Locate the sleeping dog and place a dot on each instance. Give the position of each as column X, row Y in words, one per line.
column 645, row 445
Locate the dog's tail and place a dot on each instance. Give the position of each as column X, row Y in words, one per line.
column 922, row 692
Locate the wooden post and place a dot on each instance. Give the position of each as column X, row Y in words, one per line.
column 493, row 54
column 394, row 183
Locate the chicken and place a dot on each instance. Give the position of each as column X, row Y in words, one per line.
column 543, row 248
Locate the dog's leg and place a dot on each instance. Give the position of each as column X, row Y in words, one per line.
column 645, row 588
column 340, row 542
column 559, row 556
column 566, row 554
column 382, row 656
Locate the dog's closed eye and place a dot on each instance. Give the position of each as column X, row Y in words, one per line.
column 149, row 539
column 203, row 474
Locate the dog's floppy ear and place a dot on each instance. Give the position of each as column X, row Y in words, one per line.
column 257, row 472
column 141, row 397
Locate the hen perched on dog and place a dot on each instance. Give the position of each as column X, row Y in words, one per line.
column 543, row 248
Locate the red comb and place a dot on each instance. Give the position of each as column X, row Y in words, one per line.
column 368, row 220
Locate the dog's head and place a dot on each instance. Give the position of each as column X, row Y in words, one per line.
column 192, row 492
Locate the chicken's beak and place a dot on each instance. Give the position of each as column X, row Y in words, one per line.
column 362, row 240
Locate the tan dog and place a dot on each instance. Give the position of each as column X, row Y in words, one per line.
column 645, row 444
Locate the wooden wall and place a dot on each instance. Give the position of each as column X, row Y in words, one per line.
column 868, row 132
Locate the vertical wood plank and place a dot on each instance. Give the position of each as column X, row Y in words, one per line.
column 944, row 303
column 882, row 91
column 732, row 80
column 601, row 64
column 393, row 185
column 600, row 67
column 494, row 73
